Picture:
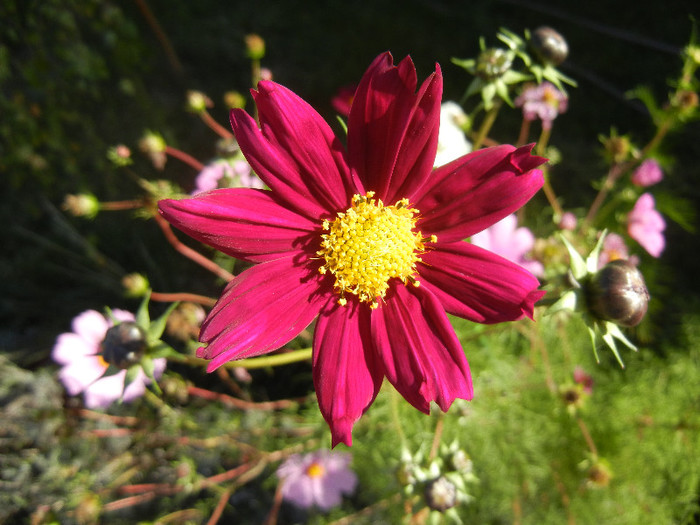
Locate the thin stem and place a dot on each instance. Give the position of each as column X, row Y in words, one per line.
column 213, row 124
column 184, row 157
column 546, row 186
column 240, row 403
column 160, row 35
column 182, row 296
column 396, row 420
column 437, row 437
column 220, row 506
column 587, row 436
column 121, row 205
column 486, row 124
column 524, row 132
column 189, row 252
column 251, row 363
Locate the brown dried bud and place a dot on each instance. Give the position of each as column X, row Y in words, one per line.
column 549, row 46
column 618, row 293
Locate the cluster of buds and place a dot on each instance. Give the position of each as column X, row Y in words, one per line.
column 443, row 481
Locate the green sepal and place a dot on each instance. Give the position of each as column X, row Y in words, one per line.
column 567, row 301
column 156, row 328
column 111, row 370
column 578, row 265
column 143, row 319
column 131, row 374
column 149, row 369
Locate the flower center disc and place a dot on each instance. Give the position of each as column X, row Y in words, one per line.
column 369, row 244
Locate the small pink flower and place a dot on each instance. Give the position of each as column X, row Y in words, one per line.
column 224, row 173
column 568, row 221
column 583, row 379
column 614, row 247
column 319, row 478
column 646, row 225
column 504, row 239
column 543, row 101
column 83, row 367
column 648, row 173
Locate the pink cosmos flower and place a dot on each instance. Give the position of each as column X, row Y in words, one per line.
column 648, row 173
column 506, row 240
column 83, row 367
column 226, row 173
column 543, row 101
column 568, row 221
column 319, row 478
column 614, row 247
column 646, row 225
column 347, row 236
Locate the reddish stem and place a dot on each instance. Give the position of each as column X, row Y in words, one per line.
column 239, row 403
column 213, row 124
column 189, row 252
column 182, row 296
column 220, row 506
column 121, row 205
column 184, row 157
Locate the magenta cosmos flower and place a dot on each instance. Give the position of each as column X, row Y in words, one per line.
column 646, row 225
column 83, row 367
column 367, row 239
column 319, row 478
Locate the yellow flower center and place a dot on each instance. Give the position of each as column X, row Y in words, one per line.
column 369, row 244
column 315, row 470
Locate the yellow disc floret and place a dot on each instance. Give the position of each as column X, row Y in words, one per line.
column 369, row 244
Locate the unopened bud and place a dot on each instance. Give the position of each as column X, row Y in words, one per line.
column 119, row 155
column 441, row 494
column 198, row 102
column 152, row 142
column 549, row 46
column 618, row 293
column 135, row 285
column 255, row 46
column 83, row 205
column 493, row 63
column 124, row 344
column 234, row 100
column 618, row 148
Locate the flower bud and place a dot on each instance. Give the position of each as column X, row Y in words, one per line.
column 124, row 344
column 83, row 205
column 119, row 155
column 441, row 494
column 549, row 46
column 618, row 293
column 135, row 285
column 198, row 102
column 493, row 63
column 234, row 100
column 255, row 46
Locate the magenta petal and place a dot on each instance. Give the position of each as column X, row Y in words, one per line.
column 263, row 308
column 392, row 130
column 422, row 356
column 347, row 374
column 296, row 153
column 244, row 223
column 478, row 285
column 475, row 191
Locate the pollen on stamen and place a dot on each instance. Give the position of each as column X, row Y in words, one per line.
column 369, row 244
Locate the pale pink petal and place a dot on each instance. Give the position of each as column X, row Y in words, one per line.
column 347, row 374
column 107, row 390
column 422, row 356
column 262, row 309
column 91, row 326
column 78, row 375
column 478, row 285
column 245, row 223
column 70, row 347
column 473, row 192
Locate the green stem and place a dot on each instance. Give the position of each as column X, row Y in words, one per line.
column 540, row 149
column 251, row 363
column 486, row 124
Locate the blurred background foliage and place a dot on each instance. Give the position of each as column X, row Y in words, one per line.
column 79, row 76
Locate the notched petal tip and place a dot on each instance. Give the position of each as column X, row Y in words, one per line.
column 341, row 431
column 523, row 160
